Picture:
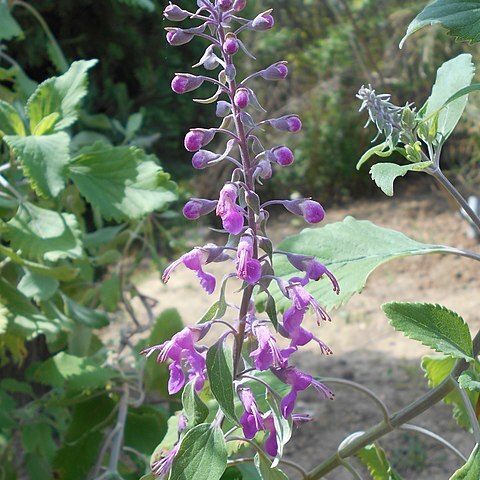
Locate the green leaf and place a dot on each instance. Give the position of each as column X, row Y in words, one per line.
column 474, row 87
column 471, row 470
column 110, row 292
column 210, row 313
column 194, row 409
column 44, row 234
column 121, row 182
column 351, row 249
column 460, row 17
column 469, row 381
column 33, row 285
column 145, row 4
column 84, row 315
column 46, row 125
column 384, row 174
column 265, row 469
column 9, row 28
column 14, row 386
column 283, row 427
column 378, row 150
column 43, row 159
column 61, row 95
column 452, row 76
column 74, row 373
column 3, row 318
column 10, row 121
column 220, row 374
column 433, row 325
column 202, row 455
column 374, row 458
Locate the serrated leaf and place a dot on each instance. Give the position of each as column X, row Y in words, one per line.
column 352, row 250
column 194, row 409
column 10, row 121
column 43, row 159
column 220, row 375
column 40, row 287
column 44, row 234
column 9, row 28
column 61, row 95
column 471, row 470
column 374, row 458
column 84, row 315
column 469, row 381
column 433, row 325
column 74, row 373
column 202, row 455
column 460, row 17
column 265, row 469
column 384, row 174
column 452, row 76
column 121, row 182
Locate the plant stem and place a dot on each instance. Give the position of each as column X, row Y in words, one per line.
column 394, row 421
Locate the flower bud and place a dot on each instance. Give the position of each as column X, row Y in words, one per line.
column 225, row 4
column 263, row 170
column 202, row 158
column 177, row 37
column 184, row 82
column 223, row 109
column 310, row 210
column 288, row 123
column 198, row 138
column 242, row 98
column 239, row 5
column 283, row 156
column 174, row 13
column 231, row 45
column 263, row 21
column 277, row 71
column 197, row 207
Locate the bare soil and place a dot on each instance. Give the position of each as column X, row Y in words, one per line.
column 366, row 349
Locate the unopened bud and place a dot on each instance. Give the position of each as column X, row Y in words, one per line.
column 225, row 4
column 174, row 13
column 231, row 45
column 310, row 210
column 185, row 82
column 223, row 108
column 277, row 71
column 262, row 22
column 263, row 170
column 288, row 123
column 202, row 158
column 239, row 5
column 198, row 138
column 177, row 37
column 242, row 98
column 198, row 207
column 283, row 156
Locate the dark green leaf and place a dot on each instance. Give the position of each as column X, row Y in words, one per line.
column 432, row 325
column 84, row 315
column 15, row 386
column 194, row 409
column 471, row 470
column 271, row 310
column 110, row 292
column 9, row 28
column 220, row 375
column 202, row 455
column 265, row 469
column 374, row 458
column 121, row 182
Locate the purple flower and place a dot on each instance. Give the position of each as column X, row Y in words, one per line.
column 310, row 210
column 267, row 354
column 174, row 13
column 181, row 350
column 194, row 261
column 198, row 138
column 288, row 123
column 263, row 21
column 263, row 170
column 251, row 420
column 242, row 98
column 271, row 445
column 201, row 159
column 179, row 36
column 283, row 156
column 229, row 211
column 197, row 207
column 231, row 46
column 225, row 4
column 248, row 268
column 162, row 467
column 301, row 299
column 277, row 71
column 299, row 381
column 239, row 5
column 184, row 82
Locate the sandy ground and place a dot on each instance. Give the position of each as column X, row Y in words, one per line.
column 366, row 349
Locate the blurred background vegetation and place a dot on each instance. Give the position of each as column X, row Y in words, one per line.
column 332, row 46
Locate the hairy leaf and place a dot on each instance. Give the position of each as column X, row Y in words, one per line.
column 202, row 455
column 9, row 28
column 61, row 95
column 374, row 458
column 121, row 182
column 471, row 470
column 194, row 409
column 378, row 150
column 351, row 249
column 220, row 374
column 264, row 468
column 43, row 159
column 432, row 325
column 469, row 381
column 10, row 121
column 42, row 234
column 84, row 315
column 460, row 17
column 384, row 174
column 40, row 287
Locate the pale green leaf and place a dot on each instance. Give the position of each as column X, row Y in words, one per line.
column 452, row 76
column 40, row 287
column 10, row 121
column 384, row 174
column 351, row 249
column 474, row 87
column 264, row 468
column 202, row 455
column 283, row 427
column 460, row 17
column 220, row 374
column 3, row 318
column 379, row 150
column 433, row 325
column 46, row 125
column 194, row 409
column 374, row 458
column 44, row 234
column 61, row 95
column 469, row 381
column 121, row 182
column 43, row 159
column 75, row 373
column 9, row 28
column 471, row 470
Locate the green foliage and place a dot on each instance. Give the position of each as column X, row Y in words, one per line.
column 202, row 455
column 264, row 468
column 432, row 325
column 374, row 458
column 351, row 249
column 459, row 17
column 195, row 411
column 471, row 470
column 469, row 381
column 9, row 28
